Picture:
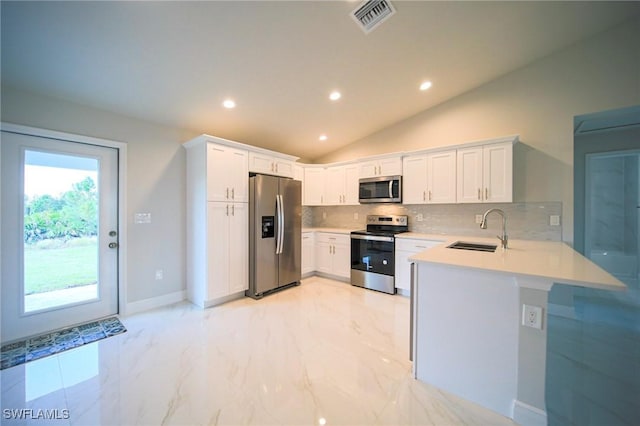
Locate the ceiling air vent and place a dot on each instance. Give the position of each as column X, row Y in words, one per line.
column 372, row 13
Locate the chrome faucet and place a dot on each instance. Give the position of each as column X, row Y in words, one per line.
column 504, row 239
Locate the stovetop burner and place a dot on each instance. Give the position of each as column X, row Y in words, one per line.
column 384, row 225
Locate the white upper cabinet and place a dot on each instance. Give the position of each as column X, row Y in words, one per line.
column 485, row 174
column 388, row 166
column 441, row 177
column 429, row 178
column 227, row 174
column 270, row 165
column 341, row 185
column 314, row 184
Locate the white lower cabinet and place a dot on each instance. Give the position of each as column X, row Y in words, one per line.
column 333, row 254
column 227, row 250
column 405, row 248
column 308, row 262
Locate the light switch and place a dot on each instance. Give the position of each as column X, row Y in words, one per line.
column 142, row 218
column 554, row 220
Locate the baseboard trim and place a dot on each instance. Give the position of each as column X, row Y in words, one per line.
column 155, row 302
column 528, row 415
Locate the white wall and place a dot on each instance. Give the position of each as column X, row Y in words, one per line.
column 156, row 182
column 538, row 102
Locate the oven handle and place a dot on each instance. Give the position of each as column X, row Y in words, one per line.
column 372, row 238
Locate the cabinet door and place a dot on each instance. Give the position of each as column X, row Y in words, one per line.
column 441, row 177
column 469, row 175
column 403, row 270
column 237, row 169
column 390, row 166
column 283, row 167
column 498, row 173
column 324, row 257
column 308, row 253
column 414, row 185
column 217, row 250
column 217, row 173
column 351, row 191
column 334, row 190
column 342, row 260
column 261, row 163
column 238, row 247
column 314, row 186
column 368, row 169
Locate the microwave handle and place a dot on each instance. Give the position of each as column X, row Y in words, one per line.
column 391, row 188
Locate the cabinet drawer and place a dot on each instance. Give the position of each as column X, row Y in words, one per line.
column 324, row 237
column 416, row 246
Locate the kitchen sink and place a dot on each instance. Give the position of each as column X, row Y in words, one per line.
column 462, row 245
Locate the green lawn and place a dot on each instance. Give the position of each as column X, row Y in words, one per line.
column 48, row 269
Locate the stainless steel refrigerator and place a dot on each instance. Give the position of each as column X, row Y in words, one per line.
column 275, row 233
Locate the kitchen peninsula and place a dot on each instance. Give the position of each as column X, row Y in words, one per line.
column 468, row 313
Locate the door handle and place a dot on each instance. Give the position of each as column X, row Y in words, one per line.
column 113, row 245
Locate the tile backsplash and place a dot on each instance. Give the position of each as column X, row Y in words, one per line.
column 526, row 221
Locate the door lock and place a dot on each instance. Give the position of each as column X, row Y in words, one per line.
column 112, row 233
column 113, row 245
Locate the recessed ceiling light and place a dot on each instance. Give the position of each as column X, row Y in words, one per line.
column 323, row 137
column 229, row 103
column 335, row 95
column 425, row 85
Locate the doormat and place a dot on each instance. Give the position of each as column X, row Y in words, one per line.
column 58, row 341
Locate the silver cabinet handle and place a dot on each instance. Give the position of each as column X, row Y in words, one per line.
column 479, row 194
column 227, row 209
column 227, row 196
column 429, row 195
column 233, row 209
column 486, row 193
column 233, row 193
column 424, row 195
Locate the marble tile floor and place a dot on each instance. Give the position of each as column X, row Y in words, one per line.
column 321, row 353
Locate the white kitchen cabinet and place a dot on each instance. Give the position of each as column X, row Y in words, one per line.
column 227, row 249
column 333, row 254
column 341, row 185
column 226, row 174
column 388, row 166
column 405, row 248
column 308, row 259
column 314, row 184
column 485, row 174
column 217, row 231
column 429, row 178
column 270, row 165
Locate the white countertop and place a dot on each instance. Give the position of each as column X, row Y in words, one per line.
column 552, row 260
column 331, row 230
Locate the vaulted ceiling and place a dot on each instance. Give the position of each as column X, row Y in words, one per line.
column 174, row 63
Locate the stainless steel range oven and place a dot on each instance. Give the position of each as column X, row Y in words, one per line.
column 373, row 252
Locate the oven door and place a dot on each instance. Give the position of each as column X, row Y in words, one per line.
column 372, row 253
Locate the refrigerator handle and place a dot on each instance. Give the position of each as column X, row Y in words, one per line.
column 281, row 231
column 278, row 223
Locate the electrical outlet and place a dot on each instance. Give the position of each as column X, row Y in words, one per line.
column 532, row 316
column 478, row 219
column 419, row 217
column 554, row 220
column 159, row 274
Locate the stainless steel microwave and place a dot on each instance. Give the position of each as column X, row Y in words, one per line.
column 382, row 189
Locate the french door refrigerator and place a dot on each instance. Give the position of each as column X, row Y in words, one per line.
column 275, row 233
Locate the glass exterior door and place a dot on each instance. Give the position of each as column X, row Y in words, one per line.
column 59, row 238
